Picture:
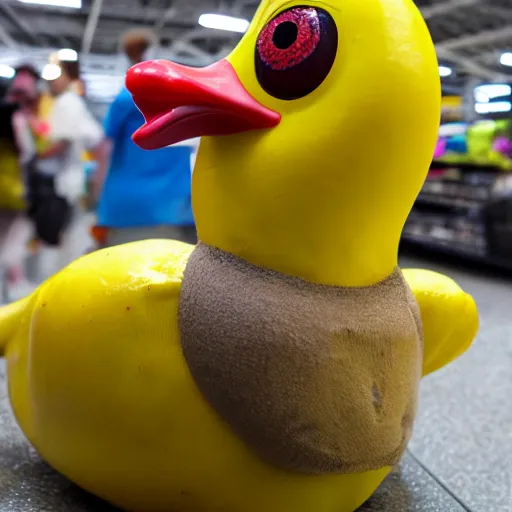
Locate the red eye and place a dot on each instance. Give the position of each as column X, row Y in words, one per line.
column 295, row 52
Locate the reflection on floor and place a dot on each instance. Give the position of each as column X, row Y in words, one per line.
column 460, row 457
column 464, row 430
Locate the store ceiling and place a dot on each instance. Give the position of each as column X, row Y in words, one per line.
column 470, row 35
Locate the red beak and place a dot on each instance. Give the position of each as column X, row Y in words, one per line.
column 180, row 103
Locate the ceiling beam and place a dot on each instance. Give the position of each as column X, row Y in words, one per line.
column 19, row 21
column 200, row 33
column 502, row 12
column 484, row 37
column 187, row 39
column 185, row 44
column 90, row 27
column 6, row 38
column 441, row 8
column 71, row 26
column 491, row 57
column 168, row 15
column 203, row 58
column 469, row 65
column 130, row 11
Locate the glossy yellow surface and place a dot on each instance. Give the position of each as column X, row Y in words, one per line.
column 449, row 316
column 96, row 373
column 325, row 194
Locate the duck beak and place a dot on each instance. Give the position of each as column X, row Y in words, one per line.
column 179, row 103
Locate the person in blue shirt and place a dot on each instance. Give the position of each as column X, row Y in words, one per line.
column 145, row 194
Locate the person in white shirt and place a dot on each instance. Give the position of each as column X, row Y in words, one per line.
column 73, row 129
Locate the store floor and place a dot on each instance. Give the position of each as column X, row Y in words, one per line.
column 459, row 459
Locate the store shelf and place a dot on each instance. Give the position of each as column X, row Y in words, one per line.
column 467, row 166
column 427, row 198
column 455, row 213
column 464, row 251
column 459, row 248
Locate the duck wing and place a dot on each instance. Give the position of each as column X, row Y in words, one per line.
column 449, row 316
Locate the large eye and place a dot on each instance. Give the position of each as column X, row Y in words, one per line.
column 295, row 52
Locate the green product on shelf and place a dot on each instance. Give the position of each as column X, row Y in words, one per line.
column 480, row 138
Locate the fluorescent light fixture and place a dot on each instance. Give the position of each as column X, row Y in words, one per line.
column 67, row 55
column 51, row 72
column 72, row 4
column 445, row 71
column 491, row 91
column 493, row 108
column 481, row 97
column 506, row 59
column 221, row 22
column 6, row 71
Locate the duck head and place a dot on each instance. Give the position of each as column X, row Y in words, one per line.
column 318, row 131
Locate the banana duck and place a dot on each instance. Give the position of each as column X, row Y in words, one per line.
column 275, row 366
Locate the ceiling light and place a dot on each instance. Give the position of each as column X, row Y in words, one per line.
column 445, row 71
column 498, row 106
column 481, row 97
column 6, row 71
column 220, row 22
column 67, row 55
column 51, row 72
column 506, row 59
column 492, row 91
column 72, row 4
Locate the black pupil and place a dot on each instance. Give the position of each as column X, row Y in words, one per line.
column 285, row 35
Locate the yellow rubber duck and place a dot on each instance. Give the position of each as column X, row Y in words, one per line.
column 275, row 366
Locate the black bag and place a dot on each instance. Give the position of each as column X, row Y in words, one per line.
column 52, row 218
column 7, row 111
column 50, row 212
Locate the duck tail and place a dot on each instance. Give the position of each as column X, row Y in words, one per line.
column 10, row 319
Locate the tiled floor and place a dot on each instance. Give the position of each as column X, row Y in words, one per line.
column 464, row 430
column 460, row 457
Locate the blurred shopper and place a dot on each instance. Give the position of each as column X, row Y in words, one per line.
column 16, row 229
column 144, row 194
column 72, row 129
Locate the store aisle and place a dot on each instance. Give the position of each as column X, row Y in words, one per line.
column 460, row 457
column 464, row 430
